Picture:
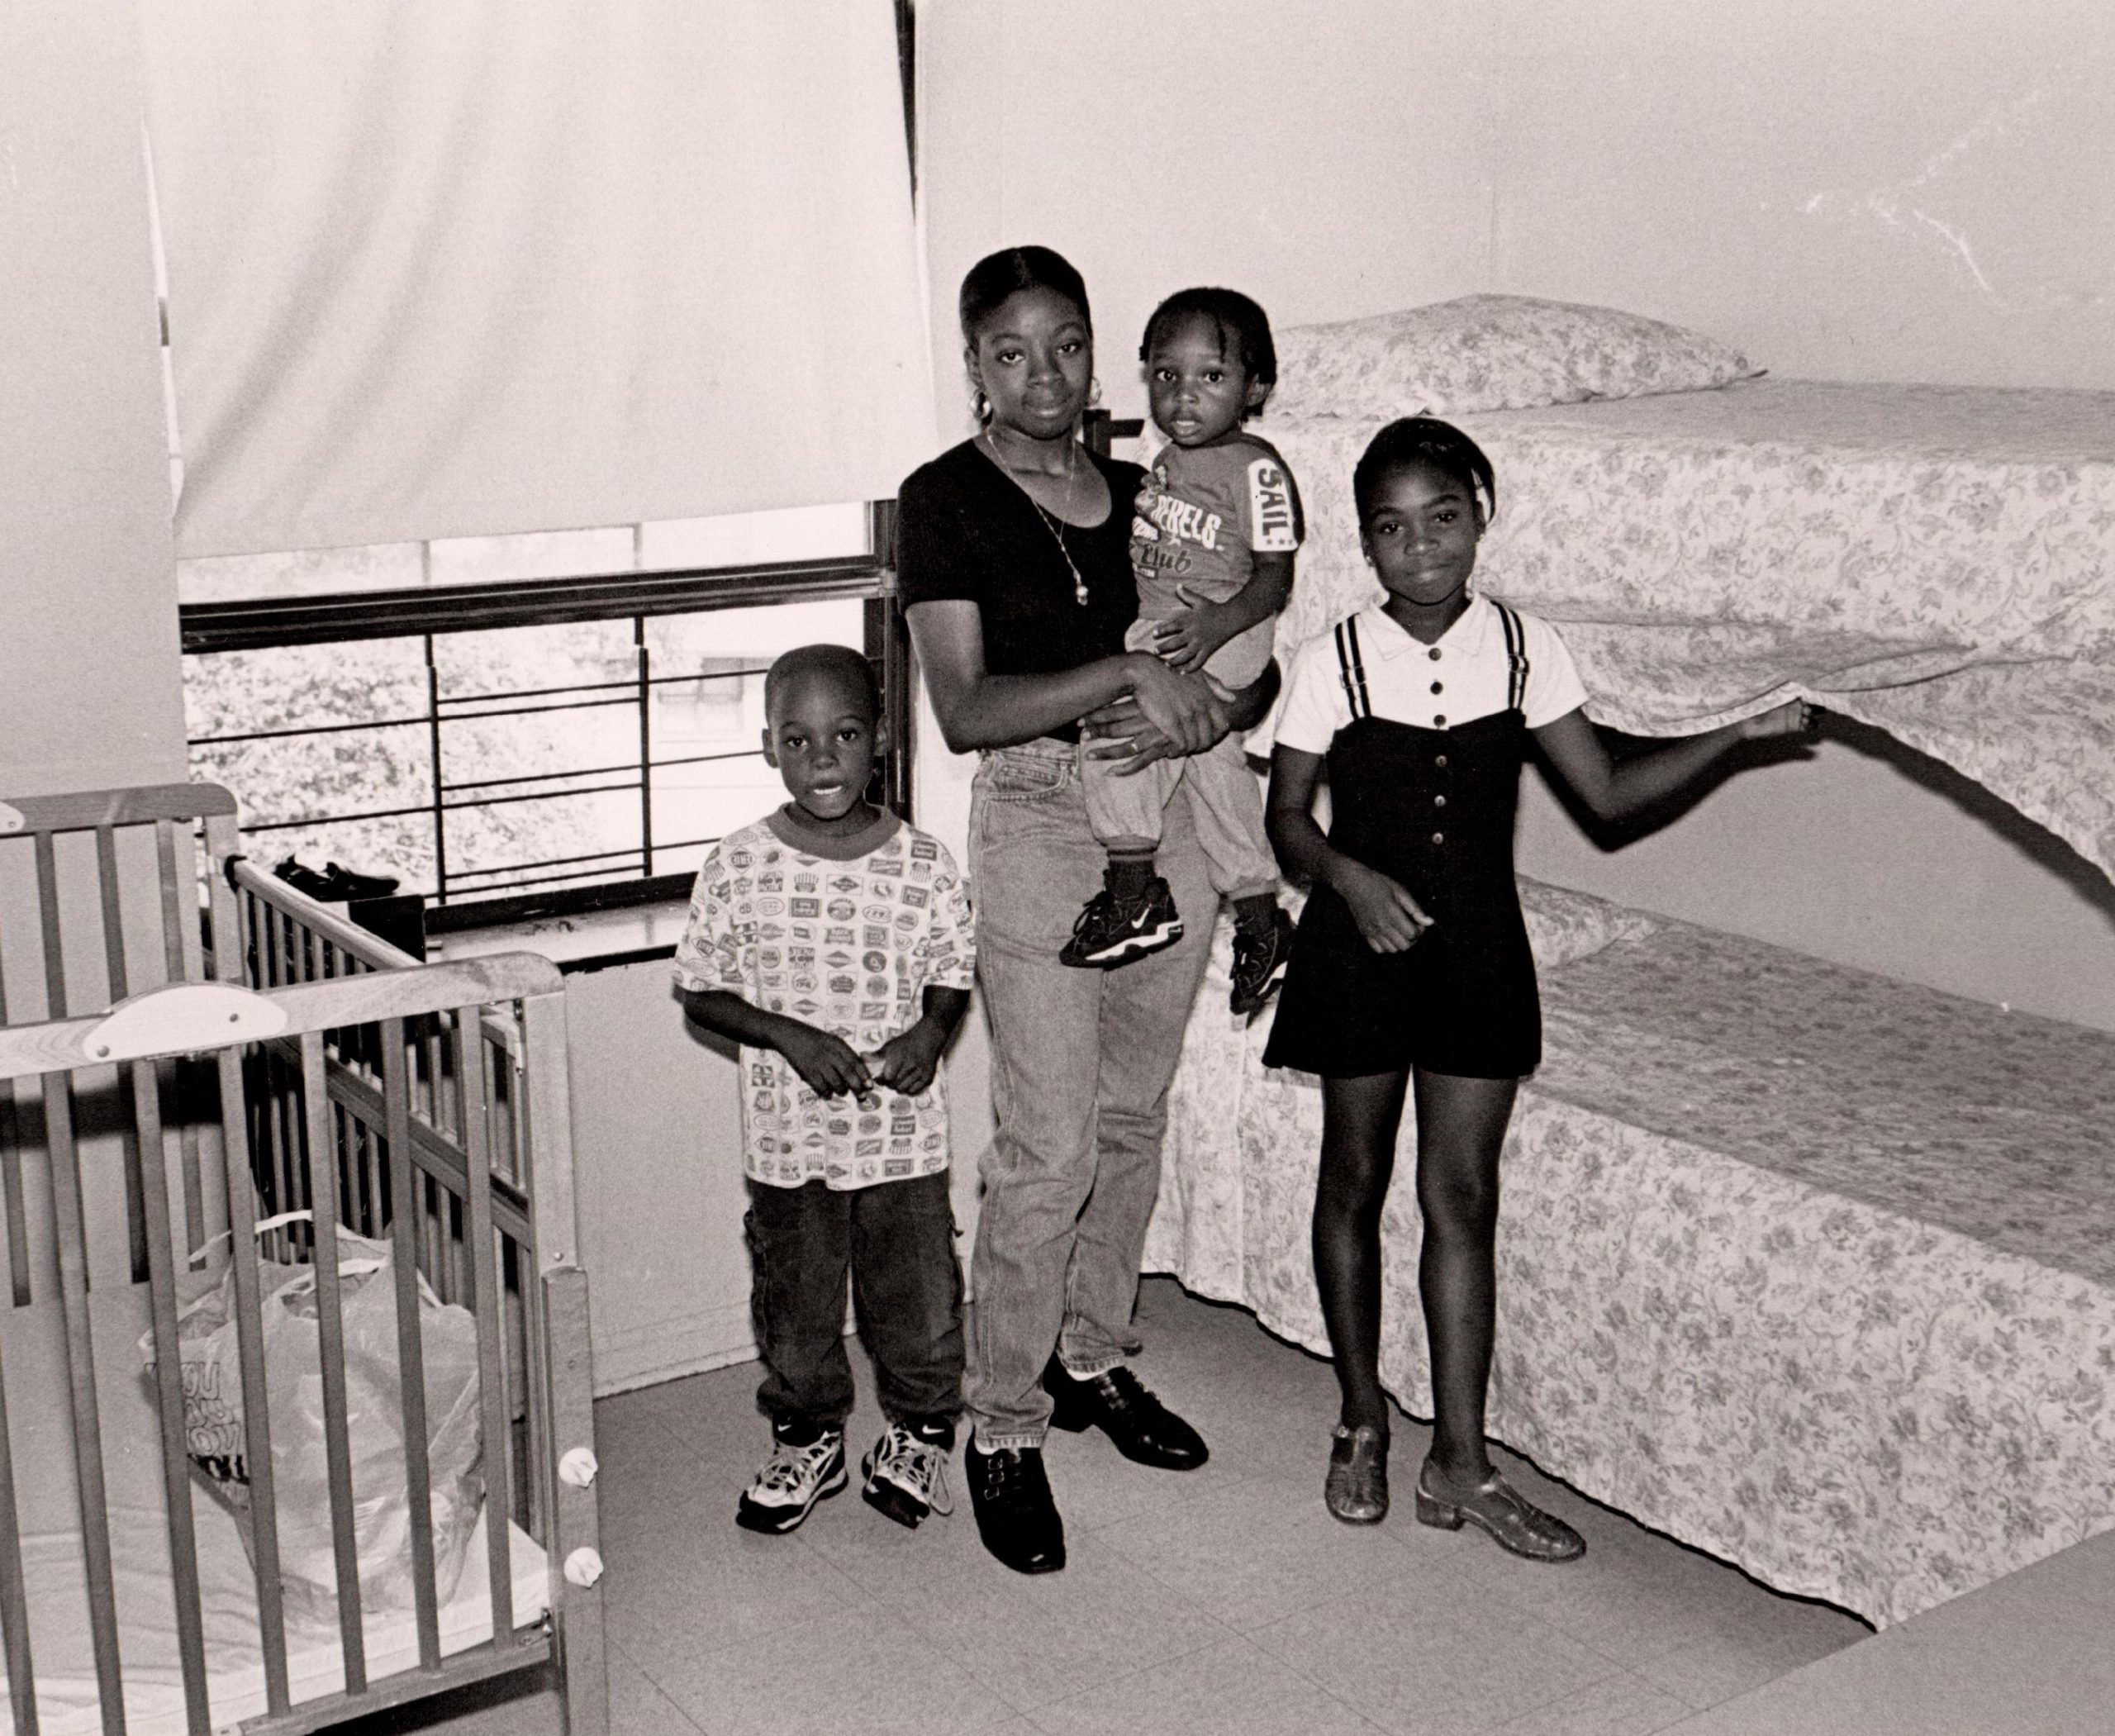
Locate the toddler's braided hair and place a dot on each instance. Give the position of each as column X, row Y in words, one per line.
column 1236, row 317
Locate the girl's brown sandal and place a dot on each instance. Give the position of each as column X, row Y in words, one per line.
column 1495, row 1506
column 1356, row 1488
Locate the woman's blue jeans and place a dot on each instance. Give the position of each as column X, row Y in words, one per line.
column 1081, row 1062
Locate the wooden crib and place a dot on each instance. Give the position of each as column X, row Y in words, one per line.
column 189, row 1051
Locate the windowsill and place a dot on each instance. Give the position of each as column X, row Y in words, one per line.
column 592, row 941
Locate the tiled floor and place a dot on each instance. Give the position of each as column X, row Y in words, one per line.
column 1223, row 1601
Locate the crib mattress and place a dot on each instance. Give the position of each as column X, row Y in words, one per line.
column 56, row 1575
column 1933, row 560
column 1808, row 1267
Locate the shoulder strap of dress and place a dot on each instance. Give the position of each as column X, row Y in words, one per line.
column 1516, row 657
column 1351, row 668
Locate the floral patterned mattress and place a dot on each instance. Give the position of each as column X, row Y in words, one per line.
column 1810, row 1268
column 1937, row 561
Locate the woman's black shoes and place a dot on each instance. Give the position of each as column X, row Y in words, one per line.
column 1010, row 1492
column 1015, row 1516
column 1144, row 1429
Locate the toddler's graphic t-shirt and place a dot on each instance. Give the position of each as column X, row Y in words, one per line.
column 1204, row 515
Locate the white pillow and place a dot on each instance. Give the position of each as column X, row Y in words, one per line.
column 1490, row 352
column 1564, row 926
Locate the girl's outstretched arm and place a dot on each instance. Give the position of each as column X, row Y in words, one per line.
column 1613, row 791
column 1388, row 917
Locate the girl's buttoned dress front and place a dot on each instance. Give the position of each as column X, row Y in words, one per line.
column 1424, row 746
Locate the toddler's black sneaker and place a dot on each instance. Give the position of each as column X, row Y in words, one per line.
column 1260, row 958
column 1112, row 932
column 907, row 1473
column 806, row 1465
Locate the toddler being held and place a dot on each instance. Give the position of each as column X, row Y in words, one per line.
column 1218, row 523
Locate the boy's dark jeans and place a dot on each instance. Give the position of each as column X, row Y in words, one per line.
column 897, row 1239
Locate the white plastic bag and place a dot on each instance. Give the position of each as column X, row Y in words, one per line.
column 293, row 1387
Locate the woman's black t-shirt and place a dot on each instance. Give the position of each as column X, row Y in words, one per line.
column 965, row 531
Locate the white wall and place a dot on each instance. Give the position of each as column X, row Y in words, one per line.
column 93, row 693
column 1881, row 189
column 1894, row 189
column 1865, row 189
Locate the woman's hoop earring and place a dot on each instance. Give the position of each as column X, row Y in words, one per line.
column 980, row 406
column 1094, row 392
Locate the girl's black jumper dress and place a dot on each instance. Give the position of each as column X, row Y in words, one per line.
column 1433, row 810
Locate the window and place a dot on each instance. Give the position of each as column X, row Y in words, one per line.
column 476, row 719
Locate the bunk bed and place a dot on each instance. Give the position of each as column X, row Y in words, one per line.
column 1807, row 1267
column 1938, row 561
column 215, row 1093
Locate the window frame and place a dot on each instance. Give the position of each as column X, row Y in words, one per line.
column 342, row 617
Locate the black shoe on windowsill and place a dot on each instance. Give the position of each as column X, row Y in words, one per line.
column 305, row 880
column 334, row 885
column 1144, row 1429
column 1015, row 1516
column 353, row 885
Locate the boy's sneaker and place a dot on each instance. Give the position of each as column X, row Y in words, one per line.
column 806, row 1465
column 1259, row 964
column 1111, row 932
column 907, row 1473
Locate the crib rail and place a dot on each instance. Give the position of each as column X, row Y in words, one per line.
column 289, row 937
column 293, row 938
column 424, row 1107
column 104, row 893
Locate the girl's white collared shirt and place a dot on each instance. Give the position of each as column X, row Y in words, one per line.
column 1461, row 678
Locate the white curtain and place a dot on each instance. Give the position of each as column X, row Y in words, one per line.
column 445, row 268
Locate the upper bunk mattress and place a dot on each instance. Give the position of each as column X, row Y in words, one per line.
column 1933, row 560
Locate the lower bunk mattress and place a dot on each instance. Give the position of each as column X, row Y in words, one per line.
column 1809, row 1269
column 55, row 1574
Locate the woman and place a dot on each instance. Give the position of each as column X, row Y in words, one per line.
column 1013, row 555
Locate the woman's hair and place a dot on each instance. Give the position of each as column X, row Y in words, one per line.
column 1424, row 439
column 1239, row 319
column 993, row 278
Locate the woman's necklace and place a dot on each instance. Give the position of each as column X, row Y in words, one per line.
column 1049, row 523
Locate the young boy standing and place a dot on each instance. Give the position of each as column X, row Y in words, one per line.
column 834, row 944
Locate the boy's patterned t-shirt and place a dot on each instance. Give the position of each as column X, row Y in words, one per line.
column 849, row 948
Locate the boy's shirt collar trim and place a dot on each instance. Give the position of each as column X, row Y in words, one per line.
column 848, row 848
